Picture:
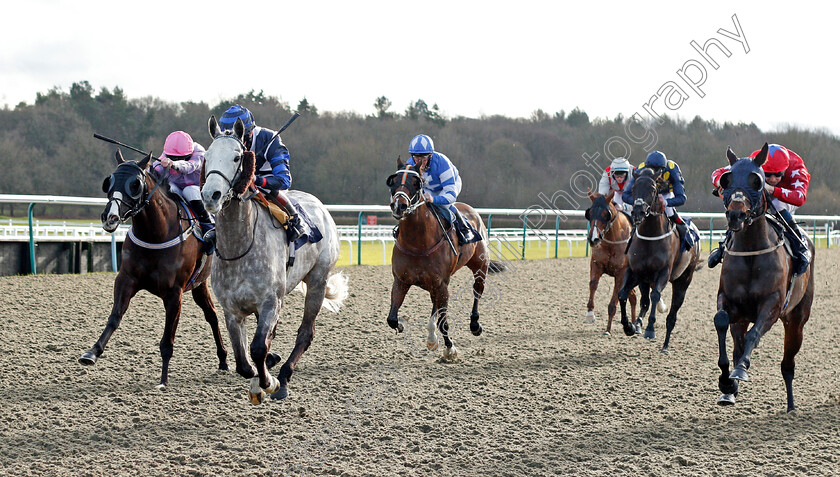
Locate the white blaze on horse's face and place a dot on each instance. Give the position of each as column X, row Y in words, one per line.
column 220, row 157
column 111, row 217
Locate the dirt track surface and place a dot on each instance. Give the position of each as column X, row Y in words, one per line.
column 540, row 392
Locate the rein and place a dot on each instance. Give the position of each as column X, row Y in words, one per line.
column 641, row 202
column 607, row 229
column 253, row 239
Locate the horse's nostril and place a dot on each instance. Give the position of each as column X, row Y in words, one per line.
column 217, row 195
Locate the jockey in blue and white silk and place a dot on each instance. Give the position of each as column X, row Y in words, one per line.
column 441, row 181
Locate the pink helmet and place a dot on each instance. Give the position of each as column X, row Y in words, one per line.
column 178, row 143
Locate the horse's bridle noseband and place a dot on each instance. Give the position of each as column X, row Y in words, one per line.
column 238, row 172
column 641, row 202
column 415, row 201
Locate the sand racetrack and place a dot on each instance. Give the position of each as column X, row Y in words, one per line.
column 540, row 392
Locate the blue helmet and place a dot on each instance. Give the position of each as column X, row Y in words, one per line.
column 656, row 159
column 421, row 144
column 237, row 112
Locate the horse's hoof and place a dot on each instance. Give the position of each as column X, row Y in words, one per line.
column 281, row 394
column 161, row 387
column 650, row 335
column 223, row 371
column 450, row 354
column 273, row 385
column 88, row 359
column 739, row 374
column 606, row 333
column 272, row 359
column 477, row 329
column 665, row 351
column 223, row 368
column 590, row 318
column 433, row 345
column 255, row 393
column 726, row 399
column 629, row 331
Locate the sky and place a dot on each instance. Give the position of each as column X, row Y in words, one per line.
column 470, row 58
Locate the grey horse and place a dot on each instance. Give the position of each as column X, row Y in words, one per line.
column 250, row 275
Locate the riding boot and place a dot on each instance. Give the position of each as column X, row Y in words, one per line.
column 682, row 229
column 716, row 256
column 798, row 244
column 465, row 235
column 205, row 223
column 294, row 228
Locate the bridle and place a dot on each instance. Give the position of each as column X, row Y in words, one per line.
column 414, row 201
column 237, row 173
column 642, row 203
column 137, row 203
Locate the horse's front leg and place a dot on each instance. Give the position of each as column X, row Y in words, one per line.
column 630, row 281
column 678, row 288
column 768, row 313
column 235, row 323
column 315, row 294
column 267, row 317
column 660, row 279
column 201, row 297
column 172, row 304
column 595, row 272
column 125, row 288
column 440, row 298
column 398, row 292
column 728, row 387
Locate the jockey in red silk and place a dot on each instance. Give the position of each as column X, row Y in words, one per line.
column 273, row 176
column 786, row 181
column 441, row 184
column 181, row 160
column 615, row 178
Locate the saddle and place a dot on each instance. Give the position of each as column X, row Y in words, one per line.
column 273, row 208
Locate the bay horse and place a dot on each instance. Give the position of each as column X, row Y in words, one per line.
column 250, row 274
column 655, row 257
column 160, row 255
column 756, row 281
column 424, row 256
column 609, row 232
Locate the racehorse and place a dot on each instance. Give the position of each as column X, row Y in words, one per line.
column 655, row 257
column 160, row 255
column 424, row 255
column 250, row 275
column 609, row 232
column 756, row 281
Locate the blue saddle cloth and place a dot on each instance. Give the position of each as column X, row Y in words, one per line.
column 691, row 237
column 314, row 234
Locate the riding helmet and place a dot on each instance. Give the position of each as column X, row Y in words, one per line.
column 421, row 144
column 237, row 112
column 178, row 143
column 777, row 161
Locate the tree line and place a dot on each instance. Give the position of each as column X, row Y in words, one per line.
column 344, row 158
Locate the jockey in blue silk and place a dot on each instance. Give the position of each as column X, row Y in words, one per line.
column 670, row 184
column 441, row 183
column 273, row 176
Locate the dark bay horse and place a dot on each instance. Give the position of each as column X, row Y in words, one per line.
column 756, row 281
column 655, row 257
column 160, row 255
column 250, row 275
column 609, row 232
column 424, row 256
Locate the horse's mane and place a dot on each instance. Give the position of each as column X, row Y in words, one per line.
column 246, row 177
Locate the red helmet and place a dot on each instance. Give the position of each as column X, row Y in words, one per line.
column 178, row 143
column 777, row 159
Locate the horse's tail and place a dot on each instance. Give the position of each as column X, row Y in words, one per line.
column 337, row 291
column 496, row 266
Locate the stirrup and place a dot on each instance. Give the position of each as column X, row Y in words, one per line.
column 209, row 239
column 294, row 229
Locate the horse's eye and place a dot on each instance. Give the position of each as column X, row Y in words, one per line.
column 135, row 187
column 237, row 158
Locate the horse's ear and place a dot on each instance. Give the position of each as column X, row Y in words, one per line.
column 591, row 195
column 609, row 197
column 213, row 127
column 145, row 161
column 400, row 163
column 588, row 214
column 731, row 156
column 119, row 157
column 636, row 173
column 762, row 155
column 239, row 129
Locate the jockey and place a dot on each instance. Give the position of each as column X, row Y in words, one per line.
column 615, row 178
column 786, row 181
column 441, row 184
column 670, row 185
column 272, row 163
column 182, row 160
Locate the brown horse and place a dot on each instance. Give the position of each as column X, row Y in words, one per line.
column 424, row 255
column 160, row 255
column 655, row 257
column 756, row 281
column 609, row 232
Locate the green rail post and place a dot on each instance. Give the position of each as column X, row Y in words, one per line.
column 359, row 245
column 489, row 224
column 556, row 234
column 31, row 241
